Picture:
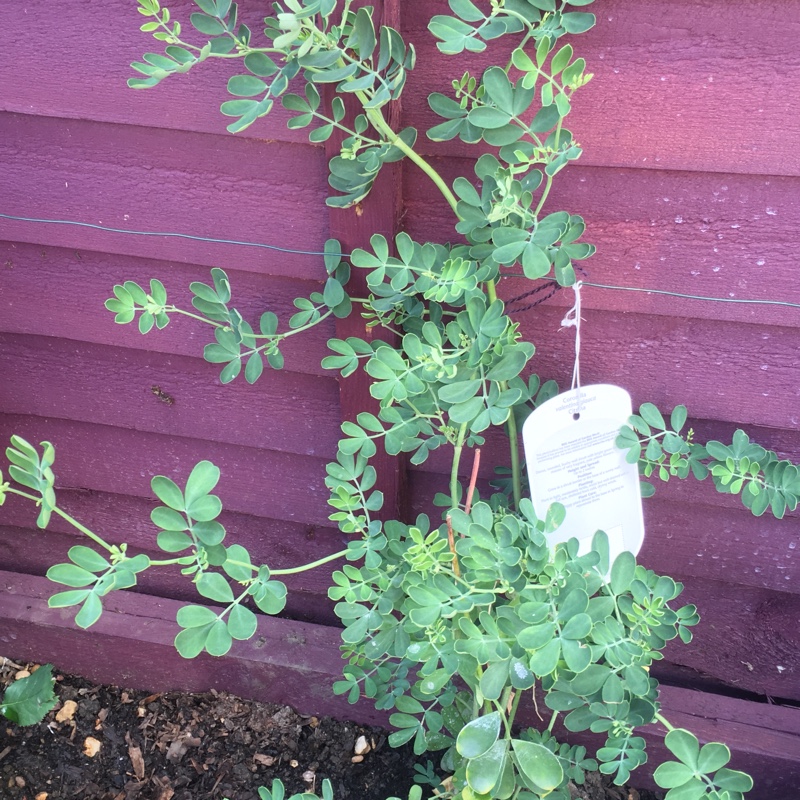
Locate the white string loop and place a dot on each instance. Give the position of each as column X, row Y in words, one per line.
column 572, row 319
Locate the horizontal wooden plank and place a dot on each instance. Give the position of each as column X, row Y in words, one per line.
column 747, row 638
column 703, row 234
column 746, row 375
column 296, row 663
column 96, row 87
column 286, row 662
column 665, row 95
column 80, row 281
column 661, row 96
column 102, row 458
column 33, row 552
column 146, row 179
column 177, row 396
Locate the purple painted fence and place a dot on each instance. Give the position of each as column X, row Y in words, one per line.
column 690, row 182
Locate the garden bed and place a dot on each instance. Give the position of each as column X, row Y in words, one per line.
column 104, row 743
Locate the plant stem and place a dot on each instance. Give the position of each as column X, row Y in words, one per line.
column 379, row 123
column 63, row 514
column 665, row 722
column 312, row 565
column 516, row 472
column 457, row 449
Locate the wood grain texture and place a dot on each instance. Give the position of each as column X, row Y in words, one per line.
column 176, row 396
column 102, row 458
column 146, row 179
column 59, row 292
column 713, row 235
column 95, row 50
column 378, row 213
column 32, row 552
column 679, row 86
column 661, row 98
column 296, row 663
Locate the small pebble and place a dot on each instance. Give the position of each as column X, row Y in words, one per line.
column 357, row 759
column 41, row 796
column 20, row 781
column 309, row 776
column 294, row 763
column 23, row 673
column 362, row 746
column 91, row 746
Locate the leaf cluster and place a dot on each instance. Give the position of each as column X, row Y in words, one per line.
column 762, row 479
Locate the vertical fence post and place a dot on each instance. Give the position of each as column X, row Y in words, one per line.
column 380, row 213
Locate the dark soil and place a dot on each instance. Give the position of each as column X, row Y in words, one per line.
column 116, row 744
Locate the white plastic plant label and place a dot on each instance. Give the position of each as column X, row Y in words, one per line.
column 572, row 460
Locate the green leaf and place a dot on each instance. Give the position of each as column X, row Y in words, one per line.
column 577, row 22
column 672, row 774
column 460, row 391
column 66, row 599
column 213, row 586
column 237, row 563
column 246, row 86
column 652, row 416
column 678, row 418
column 205, row 508
column 173, row 541
column 538, row 764
column 484, row 772
column 88, row 559
column 70, row 575
column 254, row 368
column 242, row 623
column 190, row 642
column 168, row 492
column 733, row 780
column 713, row 756
column 195, row 616
column 202, row 480
column 684, row 745
column 207, row 25
column 622, row 572
column 90, row 612
column 28, row 700
column 260, row 64
column 168, row 519
column 477, row 736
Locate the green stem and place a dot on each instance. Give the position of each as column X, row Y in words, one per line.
column 63, row 514
column 516, row 471
column 312, row 565
column 176, row 310
column 552, row 722
column 458, row 447
column 665, row 722
column 379, row 123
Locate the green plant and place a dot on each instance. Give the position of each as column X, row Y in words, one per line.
column 446, row 624
column 27, row 700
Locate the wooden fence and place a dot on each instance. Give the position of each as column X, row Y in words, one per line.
column 690, row 183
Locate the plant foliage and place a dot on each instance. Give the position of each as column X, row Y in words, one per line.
column 447, row 623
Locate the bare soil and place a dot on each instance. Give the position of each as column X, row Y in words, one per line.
column 105, row 743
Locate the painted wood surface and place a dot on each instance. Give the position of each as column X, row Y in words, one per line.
column 708, row 234
column 689, row 183
column 59, row 292
column 664, row 76
column 293, row 662
column 133, row 177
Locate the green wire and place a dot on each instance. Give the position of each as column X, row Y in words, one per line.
column 347, row 255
